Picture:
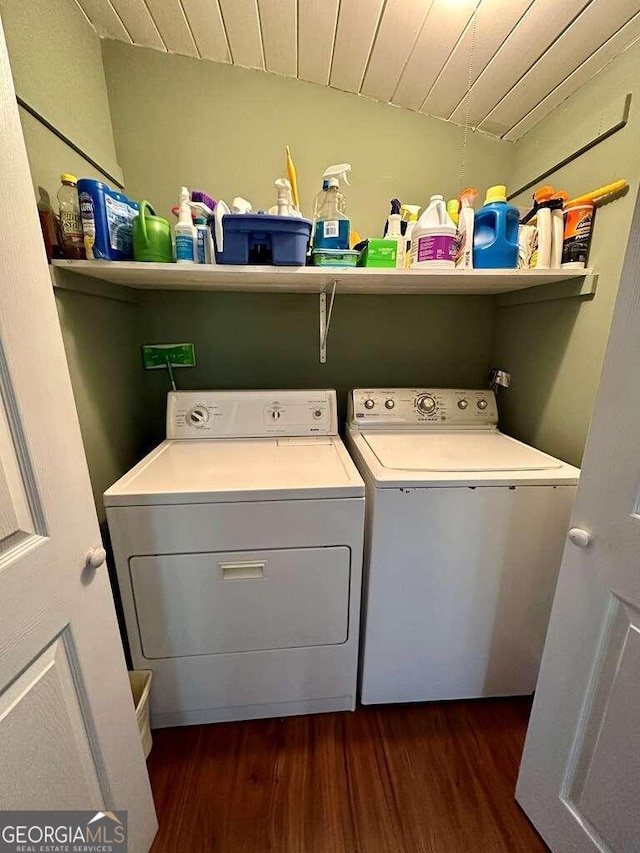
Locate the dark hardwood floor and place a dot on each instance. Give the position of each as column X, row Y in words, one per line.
column 434, row 778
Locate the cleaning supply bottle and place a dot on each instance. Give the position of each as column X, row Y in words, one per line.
column 410, row 214
column 557, row 228
column 464, row 259
column 332, row 226
column 394, row 232
column 433, row 244
column 284, row 205
column 578, row 226
column 495, row 232
column 185, row 231
column 541, row 259
column 320, row 198
column 49, row 225
column 340, row 172
column 202, row 230
column 70, row 221
column 453, row 209
column 396, row 207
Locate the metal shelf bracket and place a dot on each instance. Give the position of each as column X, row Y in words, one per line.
column 325, row 319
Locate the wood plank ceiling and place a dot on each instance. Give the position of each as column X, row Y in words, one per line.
column 518, row 59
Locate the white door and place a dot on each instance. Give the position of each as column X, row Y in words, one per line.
column 580, row 775
column 68, row 733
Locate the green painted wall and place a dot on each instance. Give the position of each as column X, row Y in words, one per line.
column 223, row 129
column 265, row 341
column 57, row 69
column 57, row 66
column 102, row 346
column 555, row 349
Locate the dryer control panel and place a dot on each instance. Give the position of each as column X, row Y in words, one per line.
column 414, row 408
column 251, row 414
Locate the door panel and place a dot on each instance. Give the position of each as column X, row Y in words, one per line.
column 21, row 514
column 581, row 762
column 44, row 701
column 601, row 788
column 68, row 732
column 206, row 604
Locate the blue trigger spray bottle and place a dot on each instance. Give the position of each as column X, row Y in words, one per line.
column 332, row 227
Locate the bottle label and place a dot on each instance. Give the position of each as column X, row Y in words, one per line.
column 435, row 247
column 71, row 226
column 331, row 228
column 119, row 222
column 578, row 222
column 88, row 224
column 202, row 252
column 184, row 247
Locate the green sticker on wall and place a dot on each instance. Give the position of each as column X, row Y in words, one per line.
column 155, row 356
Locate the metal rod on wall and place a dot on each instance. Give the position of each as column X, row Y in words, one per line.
column 583, row 150
column 69, row 142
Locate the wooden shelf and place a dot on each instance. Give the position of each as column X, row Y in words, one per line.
column 317, row 280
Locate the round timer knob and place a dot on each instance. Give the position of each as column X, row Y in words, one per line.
column 426, row 404
column 482, row 404
column 369, row 404
column 390, row 404
column 198, row 416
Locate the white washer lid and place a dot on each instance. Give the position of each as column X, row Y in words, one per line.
column 453, row 451
column 179, row 472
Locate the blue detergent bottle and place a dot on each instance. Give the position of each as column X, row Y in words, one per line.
column 495, row 232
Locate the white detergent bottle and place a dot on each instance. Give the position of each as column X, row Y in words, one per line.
column 433, row 243
column 464, row 258
column 186, row 232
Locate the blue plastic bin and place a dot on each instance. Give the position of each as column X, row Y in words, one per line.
column 262, row 239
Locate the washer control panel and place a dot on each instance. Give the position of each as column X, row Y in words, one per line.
column 418, row 407
column 251, row 414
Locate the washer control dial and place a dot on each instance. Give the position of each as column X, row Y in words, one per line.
column 197, row 416
column 462, row 404
column 425, row 403
column 275, row 414
column 369, row 404
column 390, row 404
column 482, row 404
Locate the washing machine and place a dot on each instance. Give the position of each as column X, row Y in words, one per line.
column 464, row 538
column 238, row 550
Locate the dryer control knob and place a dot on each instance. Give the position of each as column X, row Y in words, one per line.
column 390, row 404
column 426, row 403
column 482, row 404
column 198, row 416
column 462, row 404
column 369, row 404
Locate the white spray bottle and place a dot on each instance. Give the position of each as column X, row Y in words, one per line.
column 185, row 231
column 464, row 259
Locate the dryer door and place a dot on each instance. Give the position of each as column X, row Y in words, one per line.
column 206, row 604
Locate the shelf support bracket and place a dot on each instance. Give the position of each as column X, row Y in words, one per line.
column 325, row 319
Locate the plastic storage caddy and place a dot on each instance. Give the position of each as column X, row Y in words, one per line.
column 261, row 239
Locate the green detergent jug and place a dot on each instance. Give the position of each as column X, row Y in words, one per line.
column 151, row 237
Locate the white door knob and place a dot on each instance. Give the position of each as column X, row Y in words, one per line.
column 579, row 537
column 96, row 557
